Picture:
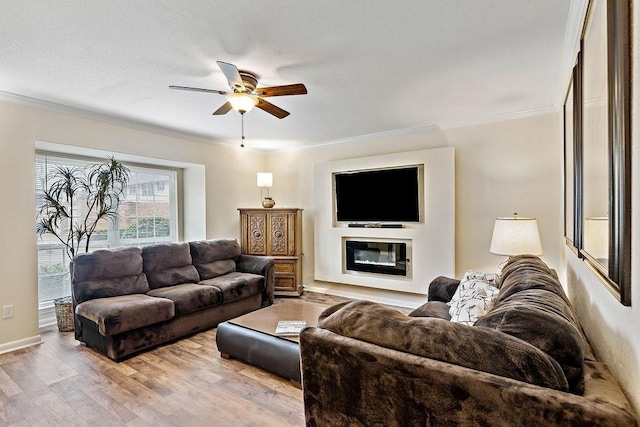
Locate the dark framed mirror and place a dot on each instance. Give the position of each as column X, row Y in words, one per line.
column 601, row 123
column 569, row 183
column 572, row 115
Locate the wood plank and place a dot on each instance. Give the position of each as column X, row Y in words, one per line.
column 7, row 385
column 62, row 382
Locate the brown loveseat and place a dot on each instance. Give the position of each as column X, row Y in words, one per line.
column 525, row 362
column 130, row 299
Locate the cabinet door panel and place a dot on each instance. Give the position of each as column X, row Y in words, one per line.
column 280, row 234
column 257, row 234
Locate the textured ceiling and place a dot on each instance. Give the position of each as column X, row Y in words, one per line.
column 370, row 66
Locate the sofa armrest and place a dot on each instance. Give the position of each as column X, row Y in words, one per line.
column 264, row 266
column 351, row 382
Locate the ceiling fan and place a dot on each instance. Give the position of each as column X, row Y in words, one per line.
column 245, row 95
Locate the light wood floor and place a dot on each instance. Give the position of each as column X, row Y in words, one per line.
column 187, row 383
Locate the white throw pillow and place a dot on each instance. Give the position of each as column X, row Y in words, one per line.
column 492, row 278
column 473, row 297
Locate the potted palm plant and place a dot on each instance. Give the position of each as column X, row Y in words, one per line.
column 74, row 202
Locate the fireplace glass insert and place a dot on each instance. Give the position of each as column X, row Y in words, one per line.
column 377, row 257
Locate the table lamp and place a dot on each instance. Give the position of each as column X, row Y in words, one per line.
column 265, row 181
column 515, row 236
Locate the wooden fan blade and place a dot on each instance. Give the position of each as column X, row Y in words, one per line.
column 294, row 89
column 272, row 109
column 197, row 89
column 226, row 107
column 232, row 74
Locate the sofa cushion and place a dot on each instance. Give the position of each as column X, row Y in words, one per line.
column 125, row 313
column 107, row 264
column 472, row 347
column 107, row 273
column 205, row 251
column 532, row 306
column 168, row 264
column 529, row 263
column 213, row 258
column 92, row 289
column 437, row 309
column 530, row 279
column 544, row 320
column 173, row 276
column 213, row 269
column 188, row 298
column 442, row 288
column 526, row 272
column 236, row 286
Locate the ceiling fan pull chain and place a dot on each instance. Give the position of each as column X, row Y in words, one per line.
column 242, row 121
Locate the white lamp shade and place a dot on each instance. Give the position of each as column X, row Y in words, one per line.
column 596, row 237
column 242, row 102
column 515, row 236
column 265, row 179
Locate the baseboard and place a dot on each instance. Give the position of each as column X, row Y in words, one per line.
column 23, row 343
column 399, row 299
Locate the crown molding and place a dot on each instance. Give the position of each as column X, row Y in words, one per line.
column 107, row 118
column 368, row 137
column 476, row 121
column 121, row 121
column 503, row 117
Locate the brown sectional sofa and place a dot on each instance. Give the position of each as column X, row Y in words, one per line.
column 525, row 362
column 128, row 300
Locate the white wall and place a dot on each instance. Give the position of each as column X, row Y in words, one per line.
column 500, row 168
column 613, row 329
column 229, row 184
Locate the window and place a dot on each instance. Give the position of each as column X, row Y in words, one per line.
column 147, row 215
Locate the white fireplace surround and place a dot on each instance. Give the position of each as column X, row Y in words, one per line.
column 431, row 240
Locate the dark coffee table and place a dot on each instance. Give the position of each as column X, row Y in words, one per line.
column 252, row 339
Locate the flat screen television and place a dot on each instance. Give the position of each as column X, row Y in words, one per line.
column 378, row 195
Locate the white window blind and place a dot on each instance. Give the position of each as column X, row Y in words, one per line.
column 148, row 214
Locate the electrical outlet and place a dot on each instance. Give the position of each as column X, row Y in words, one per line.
column 7, row 311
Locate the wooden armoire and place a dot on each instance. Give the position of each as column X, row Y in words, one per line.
column 275, row 232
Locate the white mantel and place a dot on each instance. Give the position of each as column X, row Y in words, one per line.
column 432, row 245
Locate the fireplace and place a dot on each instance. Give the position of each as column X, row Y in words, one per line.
column 380, row 257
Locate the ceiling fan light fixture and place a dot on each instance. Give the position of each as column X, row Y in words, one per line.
column 242, row 102
column 246, row 95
